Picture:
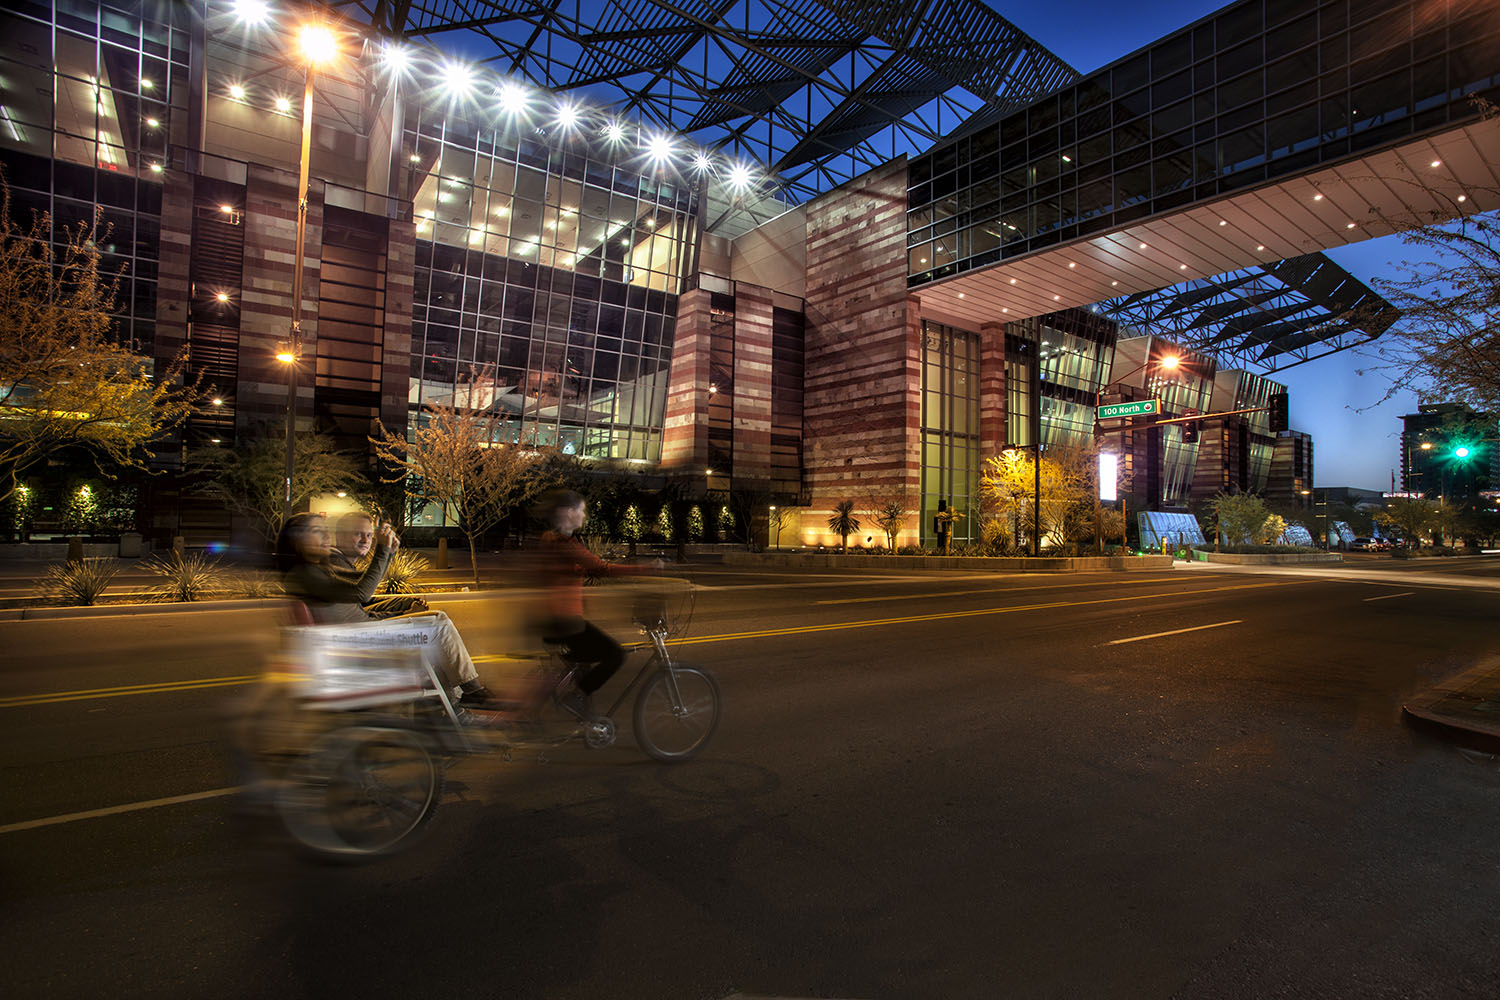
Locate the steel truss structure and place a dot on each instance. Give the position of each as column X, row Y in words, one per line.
column 1263, row 318
column 814, row 91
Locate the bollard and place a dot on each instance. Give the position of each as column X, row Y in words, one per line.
column 179, row 546
column 75, row 548
column 442, row 554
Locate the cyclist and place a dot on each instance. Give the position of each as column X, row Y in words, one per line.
column 562, row 565
column 302, row 554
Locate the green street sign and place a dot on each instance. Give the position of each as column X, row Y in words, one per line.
column 1140, row 408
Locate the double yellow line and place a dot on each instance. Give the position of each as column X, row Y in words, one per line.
column 120, row 692
column 213, row 682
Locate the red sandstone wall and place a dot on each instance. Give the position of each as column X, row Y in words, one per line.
column 862, row 403
column 684, row 446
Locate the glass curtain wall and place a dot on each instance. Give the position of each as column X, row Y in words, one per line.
column 1255, row 391
column 90, row 96
column 554, row 267
column 950, row 429
column 1259, row 90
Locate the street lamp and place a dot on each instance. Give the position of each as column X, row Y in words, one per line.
column 317, row 46
column 1168, row 363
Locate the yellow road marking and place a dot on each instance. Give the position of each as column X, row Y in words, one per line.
column 120, row 692
column 998, row 590
column 173, row 800
column 1175, row 631
column 211, row 682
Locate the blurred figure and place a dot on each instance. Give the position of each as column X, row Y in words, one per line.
column 354, row 536
column 303, row 551
column 562, row 565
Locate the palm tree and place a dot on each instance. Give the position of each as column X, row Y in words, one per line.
column 843, row 523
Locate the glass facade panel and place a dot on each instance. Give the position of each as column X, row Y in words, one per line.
column 950, row 429
column 1095, row 155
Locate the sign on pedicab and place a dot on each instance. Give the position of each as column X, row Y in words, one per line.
column 1139, row 408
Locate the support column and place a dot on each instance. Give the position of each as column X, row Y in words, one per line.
column 684, row 446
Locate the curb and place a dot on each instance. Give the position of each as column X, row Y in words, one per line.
column 1464, row 710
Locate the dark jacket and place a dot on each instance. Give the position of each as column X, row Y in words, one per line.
column 334, row 599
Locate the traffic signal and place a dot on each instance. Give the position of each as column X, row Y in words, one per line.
column 1190, row 430
column 1280, row 412
column 1462, row 451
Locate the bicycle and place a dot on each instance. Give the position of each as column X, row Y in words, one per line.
column 354, row 751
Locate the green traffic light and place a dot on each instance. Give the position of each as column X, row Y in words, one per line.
column 1462, row 451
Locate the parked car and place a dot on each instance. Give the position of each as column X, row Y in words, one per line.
column 1362, row 545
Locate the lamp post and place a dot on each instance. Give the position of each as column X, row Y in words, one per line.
column 317, row 45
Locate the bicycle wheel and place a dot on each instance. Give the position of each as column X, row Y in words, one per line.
column 361, row 792
column 675, row 732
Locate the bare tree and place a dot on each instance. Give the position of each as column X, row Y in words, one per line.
column 63, row 380
column 251, row 479
column 889, row 510
column 463, row 458
column 1447, row 342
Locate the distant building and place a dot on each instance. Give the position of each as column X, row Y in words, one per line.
column 1449, row 450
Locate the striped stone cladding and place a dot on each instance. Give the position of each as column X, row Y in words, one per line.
column 752, row 384
column 395, row 369
column 174, row 270
column 862, row 384
column 684, row 446
column 266, row 310
column 993, row 423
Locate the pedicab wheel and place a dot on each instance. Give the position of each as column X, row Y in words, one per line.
column 362, row 792
column 673, row 730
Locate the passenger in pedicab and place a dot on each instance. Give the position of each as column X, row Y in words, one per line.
column 302, row 554
column 354, row 538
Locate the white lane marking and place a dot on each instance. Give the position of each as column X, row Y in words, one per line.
column 171, row 800
column 1175, row 631
column 1387, row 597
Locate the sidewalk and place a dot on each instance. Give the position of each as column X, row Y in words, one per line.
column 1465, row 709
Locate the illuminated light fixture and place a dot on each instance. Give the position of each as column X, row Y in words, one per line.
column 1057, row 298
column 1171, row 361
column 1005, row 310
column 146, row 84
column 213, row 440
column 650, row 223
column 701, row 163
column 1349, row 226
column 156, row 168
column 1143, row 246
column 1261, row 247
column 318, row 44
column 512, row 98
column 713, row 388
column 1463, row 197
column 567, row 115
column 1067, row 158
column 960, row 294
column 614, row 132
column 1112, row 284
column 217, row 401
column 1012, row 281
column 659, row 148
column 502, row 212
column 739, row 176
column 222, row 297
column 153, row 122
column 341, row 493
column 415, row 158
column 922, row 260
column 1182, row 267
column 1072, row 264
column 1317, row 197
column 285, row 357
column 283, row 105
column 1223, row 222
column 226, row 209
column 458, row 80
column 237, row 92
column 1436, row 163
column 396, row 58
column 252, row 11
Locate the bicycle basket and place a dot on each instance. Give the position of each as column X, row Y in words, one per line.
column 662, row 602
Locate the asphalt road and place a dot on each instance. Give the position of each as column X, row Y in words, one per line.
column 935, row 785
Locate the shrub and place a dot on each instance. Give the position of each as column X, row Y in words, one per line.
column 186, row 578
column 78, row 583
column 404, row 572
column 250, row 583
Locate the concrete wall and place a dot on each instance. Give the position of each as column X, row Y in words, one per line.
column 774, row 255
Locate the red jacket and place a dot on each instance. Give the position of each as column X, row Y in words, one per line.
column 564, row 564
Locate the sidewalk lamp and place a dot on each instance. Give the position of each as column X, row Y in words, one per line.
column 317, row 46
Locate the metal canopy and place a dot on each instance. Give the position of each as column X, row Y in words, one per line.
column 1262, row 318
column 814, row 91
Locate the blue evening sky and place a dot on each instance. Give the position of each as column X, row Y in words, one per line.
column 1356, row 442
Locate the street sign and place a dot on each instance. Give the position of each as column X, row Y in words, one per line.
column 1139, row 408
